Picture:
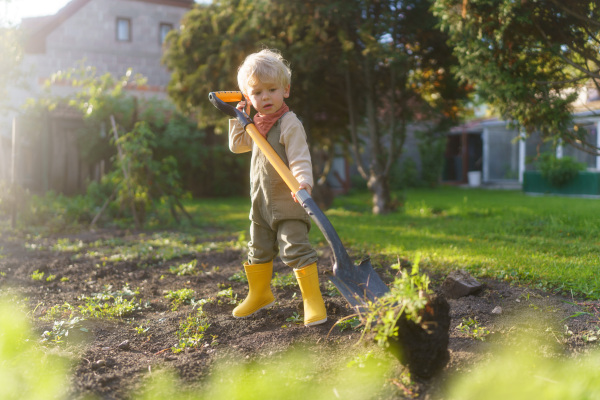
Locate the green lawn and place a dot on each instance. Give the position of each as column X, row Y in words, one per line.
column 552, row 242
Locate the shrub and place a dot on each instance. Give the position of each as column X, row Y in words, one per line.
column 559, row 171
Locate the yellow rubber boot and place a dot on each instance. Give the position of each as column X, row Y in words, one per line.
column 259, row 290
column 314, row 307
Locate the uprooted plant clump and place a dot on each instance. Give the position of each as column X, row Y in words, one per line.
column 131, row 311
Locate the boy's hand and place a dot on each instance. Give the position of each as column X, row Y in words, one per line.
column 304, row 186
column 244, row 105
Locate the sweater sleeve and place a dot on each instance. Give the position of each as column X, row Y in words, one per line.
column 239, row 140
column 293, row 138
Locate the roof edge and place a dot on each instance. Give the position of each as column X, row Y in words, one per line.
column 36, row 43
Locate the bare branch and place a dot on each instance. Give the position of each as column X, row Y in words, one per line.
column 566, row 59
column 571, row 12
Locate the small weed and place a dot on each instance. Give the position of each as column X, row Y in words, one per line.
column 471, row 327
column 59, row 311
column 115, row 307
column 50, row 278
column 226, row 296
column 67, row 245
column 239, row 276
column 60, row 330
column 283, row 281
column 295, row 318
column 37, row 275
column 179, row 297
column 349, row 323
column 64, row 279
column 109, row 304
column 191, row 331
column 140, row 330
column 185, row 268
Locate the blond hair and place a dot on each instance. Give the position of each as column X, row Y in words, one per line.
column 267, row 66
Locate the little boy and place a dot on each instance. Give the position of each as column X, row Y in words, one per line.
column 278, row 223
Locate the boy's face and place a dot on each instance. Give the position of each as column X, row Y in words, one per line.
column 267, row 98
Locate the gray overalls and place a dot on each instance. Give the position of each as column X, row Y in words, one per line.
column 279, row 224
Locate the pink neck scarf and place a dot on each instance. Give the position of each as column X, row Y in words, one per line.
column 264, row 123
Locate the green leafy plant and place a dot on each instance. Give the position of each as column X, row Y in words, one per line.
column 239, row 276
column 37, row 275
column 111, row 304
column 351, row 323
column 113, row 307
column 472, row 328
column 285, row 280
column 559, row 171
column 407, row 297
column 60, row 330
column 59, row 311
column 141, row 330
column 180, row 297
column 185, row 268
column 67, row 245
column 191, row 331
column 227, row 296
column 295, row 318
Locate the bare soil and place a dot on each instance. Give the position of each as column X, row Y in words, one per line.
column 111, row 359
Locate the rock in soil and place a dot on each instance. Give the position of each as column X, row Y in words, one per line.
column 459, row 284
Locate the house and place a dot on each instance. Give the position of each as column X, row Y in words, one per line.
column 110, row 35
column 499, row 154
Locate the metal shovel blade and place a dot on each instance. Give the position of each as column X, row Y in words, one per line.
column 358, row 284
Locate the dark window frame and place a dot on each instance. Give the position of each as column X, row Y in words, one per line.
column 129, row 30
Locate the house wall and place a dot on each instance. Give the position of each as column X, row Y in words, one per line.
column 89, row 34
column 501, row 151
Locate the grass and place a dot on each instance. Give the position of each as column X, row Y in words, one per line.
column 551, row 242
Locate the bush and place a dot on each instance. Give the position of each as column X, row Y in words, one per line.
column 405, row 175
column 559, row 171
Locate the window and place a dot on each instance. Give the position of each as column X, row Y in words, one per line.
column 163, row 30
column 123, row 29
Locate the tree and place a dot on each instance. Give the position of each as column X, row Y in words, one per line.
column 397, row 69
column 372, row 66
column 528, row 58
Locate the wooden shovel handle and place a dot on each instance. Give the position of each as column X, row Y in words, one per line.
column 273, row 158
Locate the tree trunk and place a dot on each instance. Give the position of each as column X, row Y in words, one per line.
column 379, row 186
column 378, row 182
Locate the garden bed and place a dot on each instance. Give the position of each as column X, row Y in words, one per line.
column 112, row 357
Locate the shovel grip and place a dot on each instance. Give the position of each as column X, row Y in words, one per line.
column 229, row 96
column 220, row 100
